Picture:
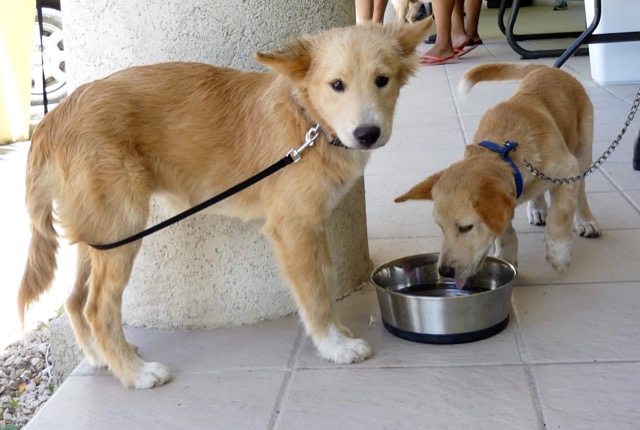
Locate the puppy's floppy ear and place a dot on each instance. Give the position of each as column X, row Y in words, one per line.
column 411, row 35
column 293, row 60
column 421, row 191
column 494, row 205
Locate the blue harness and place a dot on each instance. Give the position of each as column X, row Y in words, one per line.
column 504, row 153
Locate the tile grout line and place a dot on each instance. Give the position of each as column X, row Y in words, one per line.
column 620, row 190
column 453, row 91
column 606, row 89
column 286, row 381
column 362, row 367
column 551, row 283
column 528, row 370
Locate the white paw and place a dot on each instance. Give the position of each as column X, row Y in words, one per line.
column 537, row 218
column 558, row 253
column 96, row 363
column 342, row 349
column 537, row 211
column 588, row 229
column 152, row 375
column 94, row 357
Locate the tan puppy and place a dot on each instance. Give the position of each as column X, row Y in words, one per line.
column 550, row 117
column 406, row 10
column 191, row 131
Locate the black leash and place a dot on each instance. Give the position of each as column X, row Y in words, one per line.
column 44, row 79
column 292, row 157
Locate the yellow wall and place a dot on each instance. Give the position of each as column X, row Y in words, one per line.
column 16, row 27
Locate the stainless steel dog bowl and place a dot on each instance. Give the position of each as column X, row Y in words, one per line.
column 417, row 304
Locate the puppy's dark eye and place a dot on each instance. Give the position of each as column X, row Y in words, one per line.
column 337, row 85
column 382, row 81
column 462, row 229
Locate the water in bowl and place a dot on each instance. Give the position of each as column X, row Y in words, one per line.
column 441, row 289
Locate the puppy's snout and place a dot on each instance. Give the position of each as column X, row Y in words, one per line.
column 447, row 272
column 367, row 135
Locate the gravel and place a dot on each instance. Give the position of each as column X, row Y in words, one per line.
column 26, row 380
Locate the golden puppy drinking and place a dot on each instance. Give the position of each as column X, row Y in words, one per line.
column 549, row 123
column 192, row 130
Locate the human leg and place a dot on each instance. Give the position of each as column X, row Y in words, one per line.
column 364, row 11
column 443, row 47
column 379, row 7
column 459, row 38
column 472, row 8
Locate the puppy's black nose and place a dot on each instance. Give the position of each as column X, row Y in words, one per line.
column 367, row 135
column 447, row 272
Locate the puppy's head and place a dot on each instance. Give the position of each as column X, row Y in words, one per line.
column 348, row 79
column 413, row 9
column 472, row 209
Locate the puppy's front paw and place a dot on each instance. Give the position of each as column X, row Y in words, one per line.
column 558, row 253
column 342, row 349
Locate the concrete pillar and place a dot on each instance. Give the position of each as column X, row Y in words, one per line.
column 208, row 270
column 16, row 50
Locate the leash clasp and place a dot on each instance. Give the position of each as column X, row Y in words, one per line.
column 310, row 138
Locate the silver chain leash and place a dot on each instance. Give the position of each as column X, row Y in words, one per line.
column 596, row 165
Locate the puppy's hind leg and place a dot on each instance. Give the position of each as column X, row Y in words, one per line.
column 585, row 223
column 558, row 232
column 303, row 251
column 74, row 306
column 110, row 271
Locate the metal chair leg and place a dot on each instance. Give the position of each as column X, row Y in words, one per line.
column 636, row 153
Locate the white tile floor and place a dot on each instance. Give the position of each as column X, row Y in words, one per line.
column 569, row 359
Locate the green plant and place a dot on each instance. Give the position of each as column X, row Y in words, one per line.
column 11, row 404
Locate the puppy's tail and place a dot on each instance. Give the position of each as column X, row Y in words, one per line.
column 41, row 262
column 495, row 72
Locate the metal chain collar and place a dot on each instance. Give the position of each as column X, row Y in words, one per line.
column 563, row 181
